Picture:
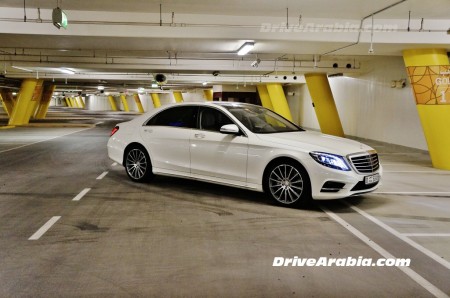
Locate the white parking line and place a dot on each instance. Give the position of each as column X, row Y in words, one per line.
column 422, row 172
column 412, row 193
column 44, row 228
column 426, row 234
column 81, row 194
column 408, row 271
column 417, row 246
column 114, row 164
column 102, row 175
column 18, row 147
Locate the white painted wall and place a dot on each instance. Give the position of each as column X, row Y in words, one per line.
column 368, row 107
column 97, row 103
column 194, row 95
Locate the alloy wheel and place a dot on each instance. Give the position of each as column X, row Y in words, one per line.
column 136, row 164
column 286, row 184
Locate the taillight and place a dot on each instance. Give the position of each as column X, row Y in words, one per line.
column 114, row 130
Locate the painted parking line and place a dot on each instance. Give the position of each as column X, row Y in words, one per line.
column 44, row 228
column 102, row 175
column 420, row 172
column 408, row 271
column 81, row 194
column 18, row 147
column 114, row 164
column 425, row 193
column 399, row 235
column 426, row 234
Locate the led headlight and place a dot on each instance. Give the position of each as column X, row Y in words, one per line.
column 330, row 160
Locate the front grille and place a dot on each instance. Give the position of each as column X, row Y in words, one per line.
column 365, row 163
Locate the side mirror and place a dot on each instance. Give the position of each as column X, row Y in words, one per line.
column 230, row 129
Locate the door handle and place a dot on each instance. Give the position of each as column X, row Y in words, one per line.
column 148, row 130
column 199, row 136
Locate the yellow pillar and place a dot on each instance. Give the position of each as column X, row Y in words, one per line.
column 278, row 99
column 123, row 98
column 24, row 97
column 138, row 103
column 47, row 94
column 324, row 105
column 264, row 96
column 178, row 96
column 73, row 102
column 112, row 102
column 68, row 103
column 208, row 94
column 8, row 101
column 428, row 70
column 156, row 101
column 35, row 100
column 83, row 105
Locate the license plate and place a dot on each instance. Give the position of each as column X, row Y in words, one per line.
column 372, row 179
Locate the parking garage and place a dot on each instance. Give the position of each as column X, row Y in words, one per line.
column 73, row 224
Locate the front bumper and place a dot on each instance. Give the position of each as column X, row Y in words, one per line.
column 327, row 184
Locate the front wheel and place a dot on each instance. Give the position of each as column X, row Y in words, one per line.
column 288, row 184
column 138, row 165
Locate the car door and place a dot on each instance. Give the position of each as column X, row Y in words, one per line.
column 166, row 136
column 215, row 155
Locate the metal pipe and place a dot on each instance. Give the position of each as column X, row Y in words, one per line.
column 361, row 24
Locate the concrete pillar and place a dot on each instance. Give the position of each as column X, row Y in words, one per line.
column 19, row 113
column 324, row 104
column 47, row 94
column 264, row 96
column 428, row 71
column 278, row 99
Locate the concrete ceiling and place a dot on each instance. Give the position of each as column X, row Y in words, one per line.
column 127, row 42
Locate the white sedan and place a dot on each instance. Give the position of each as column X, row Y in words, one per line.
column 245, row 146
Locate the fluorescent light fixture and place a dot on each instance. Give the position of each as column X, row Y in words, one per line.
column 141, row 90
column 100, row 88
column 59, row 18
column 66, row 70
column 245, row 48
column 154, row 85
column 22, row 68
column 205, row 83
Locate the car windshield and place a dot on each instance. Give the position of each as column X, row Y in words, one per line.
column 261, row 120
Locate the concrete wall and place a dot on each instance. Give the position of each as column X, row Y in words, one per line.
column 368, row 106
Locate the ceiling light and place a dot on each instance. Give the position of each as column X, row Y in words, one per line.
column 59, row 18
column 154, row 85
column 22, row 68
column 141, row 90
column 245, row 48
column 66, row 70
column 205, row 83
column 100, row 88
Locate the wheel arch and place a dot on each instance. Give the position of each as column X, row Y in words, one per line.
column 132, row 146
column 279, row 160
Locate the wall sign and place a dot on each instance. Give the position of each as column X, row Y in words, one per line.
column 431, row 84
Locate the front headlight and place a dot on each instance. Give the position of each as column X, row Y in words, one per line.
column 330, row 160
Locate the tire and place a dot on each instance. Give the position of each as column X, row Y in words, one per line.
column 288, row 184
column 138, row 165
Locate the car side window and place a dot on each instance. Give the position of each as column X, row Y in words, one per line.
column 212, row 119
column 175, row 117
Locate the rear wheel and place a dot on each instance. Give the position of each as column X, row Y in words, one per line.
column 138, row 165
column 288, row 184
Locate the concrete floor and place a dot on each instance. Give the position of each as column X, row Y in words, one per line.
column 178, row 238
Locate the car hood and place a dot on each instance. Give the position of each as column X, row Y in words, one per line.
column 316, row 141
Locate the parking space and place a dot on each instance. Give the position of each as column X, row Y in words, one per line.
column 99, row 234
